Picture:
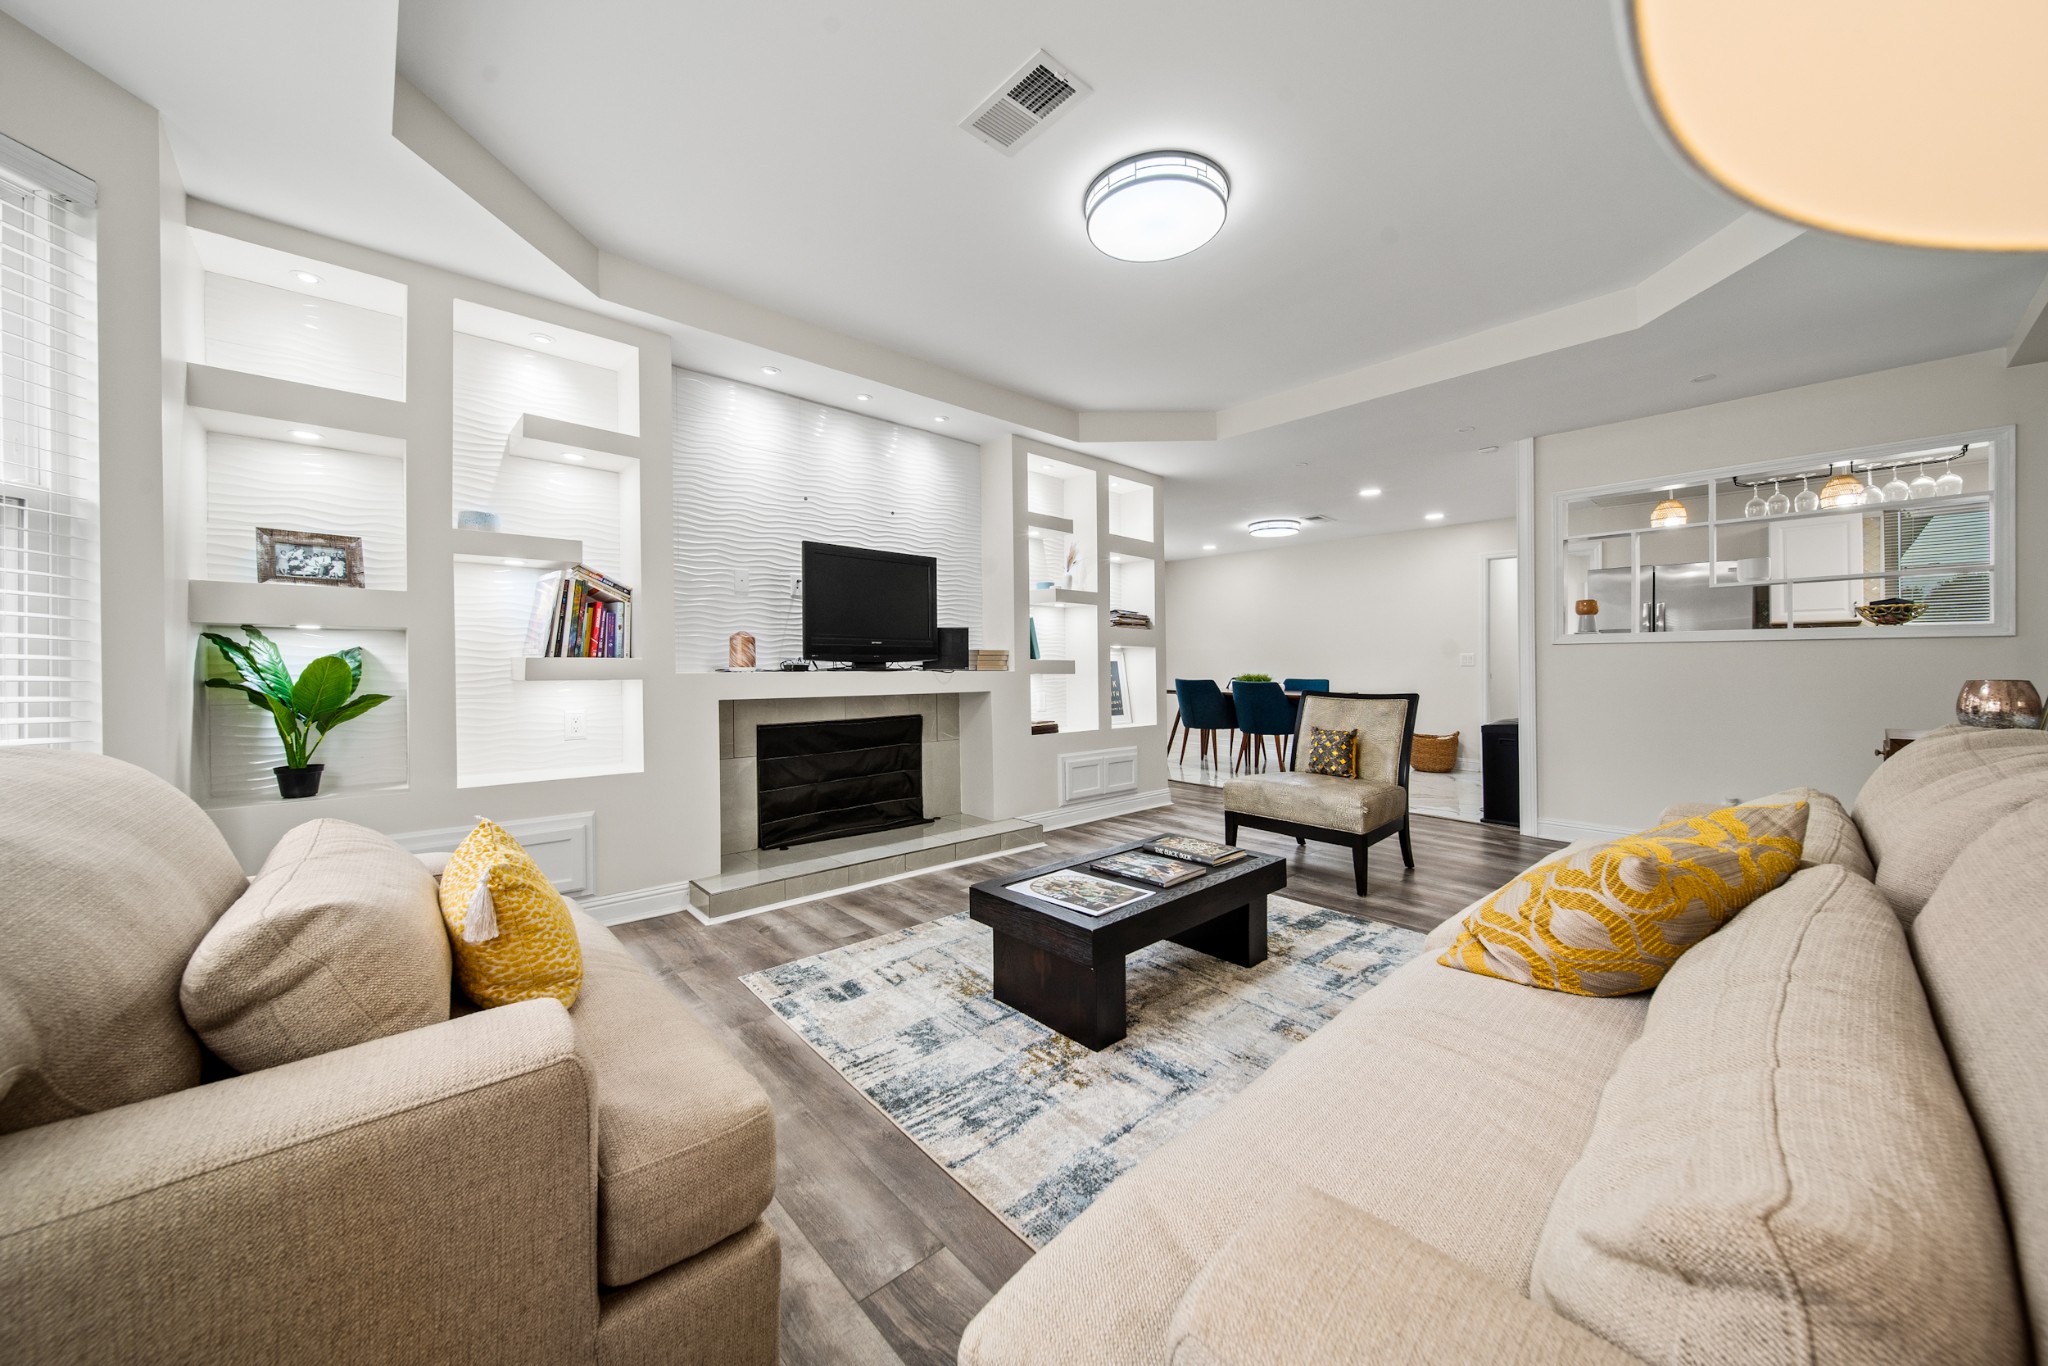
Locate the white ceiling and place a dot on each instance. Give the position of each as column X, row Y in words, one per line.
column 1406, row 174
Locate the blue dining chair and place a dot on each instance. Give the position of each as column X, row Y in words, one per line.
column 1206, row 708
column 1263, row 709
column 1302, row 685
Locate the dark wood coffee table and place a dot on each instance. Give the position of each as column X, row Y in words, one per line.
column 1065, row 969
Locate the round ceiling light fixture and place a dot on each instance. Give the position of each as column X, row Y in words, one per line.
column 1275, row 526
column 1156, row 206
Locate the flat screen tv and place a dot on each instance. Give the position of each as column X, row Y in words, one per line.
column 869, row 607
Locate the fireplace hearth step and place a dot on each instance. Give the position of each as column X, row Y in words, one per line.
column 762, row 878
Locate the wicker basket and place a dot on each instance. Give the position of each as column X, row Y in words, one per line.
column 1435, row 753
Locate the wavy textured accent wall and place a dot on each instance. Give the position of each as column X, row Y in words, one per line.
column 252, row 483
column 368, row 752
column 757, row 473
column 264, row 330
column 494, row 384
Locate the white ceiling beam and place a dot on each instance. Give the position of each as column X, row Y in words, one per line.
column 2029, row 344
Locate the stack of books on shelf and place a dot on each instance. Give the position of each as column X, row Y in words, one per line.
column 1123, row 616
column 988, row 659
column 580, row 614
column 1045, row 728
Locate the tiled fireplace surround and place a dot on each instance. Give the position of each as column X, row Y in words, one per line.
column 738, row 720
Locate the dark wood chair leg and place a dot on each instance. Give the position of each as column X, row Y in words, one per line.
column 1171, row 733
column 1229, row 828
column 1407, row 851
column 1300, row 842
column 1358, row 865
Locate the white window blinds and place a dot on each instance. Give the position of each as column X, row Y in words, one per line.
column 49, row 457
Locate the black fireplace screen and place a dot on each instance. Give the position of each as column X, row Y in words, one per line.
column 822, row 779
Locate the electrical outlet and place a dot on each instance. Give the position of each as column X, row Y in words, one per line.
column 572, row 724
column 1468, row 661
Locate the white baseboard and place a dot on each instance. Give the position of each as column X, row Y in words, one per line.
column 852, row 887
column 1571, row 832
column 1447, row 813
column 1080, row 813
column 644, row 904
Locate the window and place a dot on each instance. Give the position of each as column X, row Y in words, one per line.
column 49, row 456
column 1911, row 538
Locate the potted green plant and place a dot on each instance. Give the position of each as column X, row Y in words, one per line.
column 1252, row 678
column 306, row 709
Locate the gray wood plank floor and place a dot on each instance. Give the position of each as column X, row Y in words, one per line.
column 884, row 1257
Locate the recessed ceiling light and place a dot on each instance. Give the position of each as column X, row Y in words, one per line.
column 1369, row 493
column 1432, row 516
column 862, row 398
column 1275, row 526
column 1463, row 430
column 305, row 277
column 771, row 369
column 540, row 339
column 306, row 626
column 572, row 455
column 940, row 418
column 301, row 434
column 1156, row 206
column 1702, row 379
column 1208, row 547
column 1488, row 450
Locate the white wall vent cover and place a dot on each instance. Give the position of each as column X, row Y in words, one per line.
column 1025, row 103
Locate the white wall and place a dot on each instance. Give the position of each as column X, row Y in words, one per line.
column 1372, row 614
column 1625, row 729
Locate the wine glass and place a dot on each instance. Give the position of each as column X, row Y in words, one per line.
column 1871, row 492
column 1779, row 504
column 1896, row 490
column 1923, row 484
column 1755, row 506
column 1950, row 483
column 1808, row 500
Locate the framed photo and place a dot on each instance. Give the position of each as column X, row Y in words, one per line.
column 308, row 557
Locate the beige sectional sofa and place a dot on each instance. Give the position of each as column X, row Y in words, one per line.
column 524, row 1184
column 1823, row 1138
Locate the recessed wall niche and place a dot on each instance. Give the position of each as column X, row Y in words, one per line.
column 290, row 317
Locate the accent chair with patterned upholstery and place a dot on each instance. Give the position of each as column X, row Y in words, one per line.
column 1359, row 800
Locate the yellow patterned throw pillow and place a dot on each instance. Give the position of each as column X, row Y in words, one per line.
column 1333, row 753
column 1612, row 919
column 512, row 933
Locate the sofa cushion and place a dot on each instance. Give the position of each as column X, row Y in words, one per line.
column 1349, row 804
column 1831, row 837
column 685, row 1137
column 1930, row 799
column 1986, row 990
column 1445, row 1104
column 513, row 938
column 1783, row 1169
column 112, row 878
column 1613, row 920
column 337, row 941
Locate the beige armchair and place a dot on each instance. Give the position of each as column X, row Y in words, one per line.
column 1358, row 812
column 522, row 1185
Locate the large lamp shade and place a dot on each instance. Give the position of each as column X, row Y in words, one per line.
column 1921, row 122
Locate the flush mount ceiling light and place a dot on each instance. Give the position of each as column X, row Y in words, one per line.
column 1669, row 513
column 1275, row 526
column 1156, row 206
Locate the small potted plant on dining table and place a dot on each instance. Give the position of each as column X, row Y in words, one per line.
column 306, row 709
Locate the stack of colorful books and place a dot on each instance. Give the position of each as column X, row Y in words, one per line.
column 580, row 614
column 988, row 659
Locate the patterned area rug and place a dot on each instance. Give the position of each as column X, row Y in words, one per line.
column 1033, row 1124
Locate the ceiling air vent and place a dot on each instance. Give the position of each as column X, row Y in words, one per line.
column 1025, row 103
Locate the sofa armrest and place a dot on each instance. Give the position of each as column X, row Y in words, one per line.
column 1315, row 1279
column 429, row 1196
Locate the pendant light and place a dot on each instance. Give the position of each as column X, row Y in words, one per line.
column 1845, row 490
column 1669, row 513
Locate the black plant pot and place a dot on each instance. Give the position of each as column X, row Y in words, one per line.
column 299, row 782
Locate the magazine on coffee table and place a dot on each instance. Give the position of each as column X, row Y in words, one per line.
column 1077, row 891
column 1156, row 869
column 1208, row 853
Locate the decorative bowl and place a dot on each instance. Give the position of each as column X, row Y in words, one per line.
column 1890, row 611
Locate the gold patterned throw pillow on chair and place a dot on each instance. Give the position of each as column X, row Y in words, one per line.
column 1333, row 753
column 510, row 928
column 1612, row 919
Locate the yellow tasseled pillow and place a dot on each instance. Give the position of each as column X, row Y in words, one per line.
column 512, row 933
column 1611, row 920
